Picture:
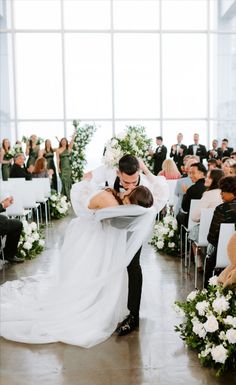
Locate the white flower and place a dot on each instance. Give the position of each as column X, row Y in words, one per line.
column 229, row 320
column 198, row 328
column 171, row 233
column 219, row 354
column 231, row 336
column 202, row 307
column 160, row 244
column 205, row 352
column 33, row 226
column 27, row 245
column 35, row 236
column 171, row 245
column 53, row 197
column 41, row 242
column 167, row 220
column 165, row 230
column 213, row 280
column 222, row 335
column 211, row 324
column 27, row 230
column 192, row 295
column 220, row 304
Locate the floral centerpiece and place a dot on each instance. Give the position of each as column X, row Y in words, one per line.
column 165, row 235
column 59, row 205
column 132, row 141
column 78, row 157
column 209, row 325
column 31, row 242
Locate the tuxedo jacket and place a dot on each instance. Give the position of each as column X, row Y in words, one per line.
column 178, row 158
column 159, row 156
column 194, row 192
column 226, row 152
column 19, row 172
column 201, row 151
column 217, row 156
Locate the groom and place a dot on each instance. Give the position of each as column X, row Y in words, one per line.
column 131, row 173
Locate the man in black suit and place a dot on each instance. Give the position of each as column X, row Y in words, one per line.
column 214, row 152
column 178, row 152
column 197, row 175
column 225, row 149
column 197, row 149
column 159, row 155
column 12, row 229
column 18, row 170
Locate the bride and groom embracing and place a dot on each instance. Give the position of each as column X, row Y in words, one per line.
column 85, row 296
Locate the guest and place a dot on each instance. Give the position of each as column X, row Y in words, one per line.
column 226, row 164
column 48, row 154
column 233, row 155
column 214, row 152
column 11, row 228
column 159, row 155
column 224, row 213
column 197, row 149
column 178, row 152
column 225, row 149
column 212, row 163
column 40, row 169
column 197, row 174
column 18, row 169
column 169, row 170
column 233, row 169
column 63, row 164
column 185, row 161
column 5, row 159
column 32, row 150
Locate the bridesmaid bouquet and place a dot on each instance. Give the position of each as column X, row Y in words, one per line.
column 59, row 205
column 209, row 325
column 31, row 242
column 132, row 141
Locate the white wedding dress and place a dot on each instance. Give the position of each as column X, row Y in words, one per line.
column 85, row 296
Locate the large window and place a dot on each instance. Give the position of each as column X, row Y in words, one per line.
column 169, row 65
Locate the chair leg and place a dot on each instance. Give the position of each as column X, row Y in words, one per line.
column 204, row 270
column 195, row 268
column 46, row 213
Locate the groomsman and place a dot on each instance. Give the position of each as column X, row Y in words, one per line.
column 159, row 155
column 178, row 152
column 197, row 149
column 225, row 150
column 215, row 152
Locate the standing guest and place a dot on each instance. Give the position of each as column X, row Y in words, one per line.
column 169, row 170
column 212, row 163
column 224, row 213
column 159, row 155
column 32, row 150
column 40, row 169
column 197, row 149
column 178, row 152
column 233, row 169
column 64, row 165
column 48, row 154
column 225, row 149
column 5, row 160
column 226, row 164
column 18, row 169
column 11, row 228
column 214, row 152
column 197, row 174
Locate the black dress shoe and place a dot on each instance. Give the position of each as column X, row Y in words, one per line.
column 16, row 259
column 128, row 325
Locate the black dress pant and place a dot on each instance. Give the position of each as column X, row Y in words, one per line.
column 135, row 284
column 12, row 229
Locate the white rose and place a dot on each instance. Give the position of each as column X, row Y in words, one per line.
column 231, row 336
column 35, row 236
column 165, row 230
column 27, row 245
column 160, row 244
column 28, row 230
column 41, row 242
column 219, row 354
column 33, row 226
column 198, row 328
column 202, row 307
column 220, row 304
column 167, row 220
column 171, row 245
column 229, row 320
column 53, row 198
column 213, row 280
column 211, row 324
column 171, row 233
column 222, row 335
column 192, row 295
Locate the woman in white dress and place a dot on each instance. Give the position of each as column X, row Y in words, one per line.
column 85, row 297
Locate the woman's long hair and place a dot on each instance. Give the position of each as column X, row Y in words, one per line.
column 51, row 149
column 215, row 175
column 4, row 145
column 40, row 166
column 169, row 167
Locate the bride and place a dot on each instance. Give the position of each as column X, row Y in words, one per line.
column 85, row 296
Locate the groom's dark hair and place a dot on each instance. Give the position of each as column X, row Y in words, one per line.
column 128, row 164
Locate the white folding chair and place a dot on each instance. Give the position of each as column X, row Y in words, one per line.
column 172, row 200
column 39, row 190
column 193, row 205
column 205, row 222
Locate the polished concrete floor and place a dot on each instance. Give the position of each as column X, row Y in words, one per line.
column 153, row 355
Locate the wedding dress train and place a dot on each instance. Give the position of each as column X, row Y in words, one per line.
column 85, row 295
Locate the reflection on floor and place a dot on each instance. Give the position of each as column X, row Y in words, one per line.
column 153, row 355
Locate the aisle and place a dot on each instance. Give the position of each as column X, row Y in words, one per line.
column 154, row 355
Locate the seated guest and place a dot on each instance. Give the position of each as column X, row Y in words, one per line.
column 224, row 213
column 226, row 164
column 233, row 169
column 18, row 169
column 40, row 169
column 169, row 170
column 197, row 174
column 212, row 163
column 12, row 229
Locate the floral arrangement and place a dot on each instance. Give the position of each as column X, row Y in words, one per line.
column 210, row 325
column 59, row 205
column 31, row 242
column 165, row 235
column 78, row 159
column 25, row 139
column 17, row 149
column 132, row 141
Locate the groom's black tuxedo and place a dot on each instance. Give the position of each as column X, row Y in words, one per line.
column 134, row 272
